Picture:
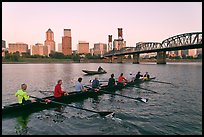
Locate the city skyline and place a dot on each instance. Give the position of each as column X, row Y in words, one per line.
column 94, row 21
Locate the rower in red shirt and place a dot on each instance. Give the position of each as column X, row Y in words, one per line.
column 58, row 90
column 122, row 79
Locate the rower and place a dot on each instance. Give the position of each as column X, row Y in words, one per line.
column 22, row 95
column 96, row 84
column 58, row 90
column 130, row 77
column 100, row 69
column 111, row 81
column 146, row 76
column 79, row 87
column 122, row 80
column 138, row 75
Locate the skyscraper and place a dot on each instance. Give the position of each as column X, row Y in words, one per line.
column 49, row 42
column 67, row 42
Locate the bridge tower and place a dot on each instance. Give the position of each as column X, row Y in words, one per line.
column 109, row 42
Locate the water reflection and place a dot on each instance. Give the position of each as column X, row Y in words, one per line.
column 21, row 127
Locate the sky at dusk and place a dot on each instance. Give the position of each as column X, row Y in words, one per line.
column 93, row 21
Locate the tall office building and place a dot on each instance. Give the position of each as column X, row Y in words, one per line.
column 83, row 47
column 67, row 42
column 49, row 42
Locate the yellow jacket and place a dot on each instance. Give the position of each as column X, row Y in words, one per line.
column 21, row 94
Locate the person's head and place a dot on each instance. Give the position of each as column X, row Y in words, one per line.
column 23, row 86
column 130, row 73
column 112, row 75
column 121, row 74
column 80, row 79
column 138, row 72
column 96, row 78
column 59, row 82
column 146, row 72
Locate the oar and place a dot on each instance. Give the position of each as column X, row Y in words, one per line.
column 161, row 82
column 99, row 81
column 104, row 91
column 138, row 98
column 147, row 89
column 42, row 91
column 100, row 113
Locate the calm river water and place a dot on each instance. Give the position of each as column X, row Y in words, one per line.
column 176, row 109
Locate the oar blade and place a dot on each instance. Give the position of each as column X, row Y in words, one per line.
column 105, row 113
column 142, row 99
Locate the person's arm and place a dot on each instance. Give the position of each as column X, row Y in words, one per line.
column 125, row 79
column 26, row 97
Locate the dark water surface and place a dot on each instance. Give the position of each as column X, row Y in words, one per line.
column 174, row 110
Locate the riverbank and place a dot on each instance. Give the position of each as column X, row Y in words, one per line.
column 65, row 61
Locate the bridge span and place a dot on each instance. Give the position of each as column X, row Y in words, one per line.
column 179, row 42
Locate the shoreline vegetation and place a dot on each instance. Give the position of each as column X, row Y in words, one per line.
column 66, row 61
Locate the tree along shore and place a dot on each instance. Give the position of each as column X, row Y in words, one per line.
column 64, row 61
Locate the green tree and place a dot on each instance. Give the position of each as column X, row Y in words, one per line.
column 76, row 57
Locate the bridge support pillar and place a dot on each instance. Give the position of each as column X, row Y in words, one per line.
column 161, row 57
column 111, row 59
column 136, row 58
column 120, row 59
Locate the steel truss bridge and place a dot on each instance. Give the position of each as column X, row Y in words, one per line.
column 179, row 42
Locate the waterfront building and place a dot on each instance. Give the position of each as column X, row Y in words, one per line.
column 49, row 42
column 184, row 52
column 192, row 52
column 74, row 52
column 199, row 51
column 19, row 46
column 119, row 43
column 3, row 52
column 83, row 47
column 92, row 51
column 67, row 42
column 99, row 48
column 39, row 49
column 3, row 44
column 59, row 47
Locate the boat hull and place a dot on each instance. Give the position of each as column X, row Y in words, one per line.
column 89, row 72
column 39, row 105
